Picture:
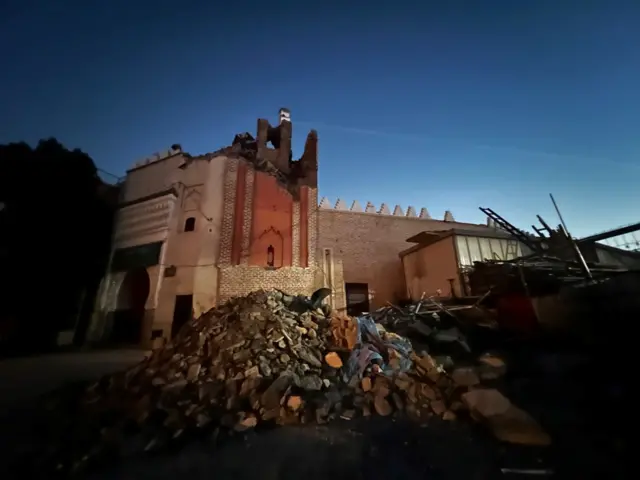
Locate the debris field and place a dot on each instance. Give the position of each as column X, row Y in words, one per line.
column 270, row 358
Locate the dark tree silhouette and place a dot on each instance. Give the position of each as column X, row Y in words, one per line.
column 56, row 221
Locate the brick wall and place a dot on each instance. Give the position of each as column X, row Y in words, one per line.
column 248, row 216
column 226, row 229
column 242, row 279
column 273, row 222
column 365, row 247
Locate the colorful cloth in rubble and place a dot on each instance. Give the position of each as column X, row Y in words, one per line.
column 372, row 347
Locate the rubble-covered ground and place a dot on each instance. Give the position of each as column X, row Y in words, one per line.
column 270, row 385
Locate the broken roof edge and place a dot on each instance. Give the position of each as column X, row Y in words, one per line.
column 479, row 231
column 155, row 160
column 189, row 159
column 436, row 236
column 420, row 246
column 617, row 250
column 427, row 238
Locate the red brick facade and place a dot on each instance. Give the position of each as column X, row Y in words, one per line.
column 239, row 213
column 272, row 223
column 267, row 214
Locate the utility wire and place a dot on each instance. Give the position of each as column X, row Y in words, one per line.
column 109, row 174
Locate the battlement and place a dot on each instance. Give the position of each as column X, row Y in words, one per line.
column 398, row 211
column 175, row 149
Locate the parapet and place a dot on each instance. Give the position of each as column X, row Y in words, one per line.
column 156, row 157
column 398, row 211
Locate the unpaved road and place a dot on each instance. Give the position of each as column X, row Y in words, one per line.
column 24, row 379
column 365, row 449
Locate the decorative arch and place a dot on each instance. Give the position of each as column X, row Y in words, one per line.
column 269, row 231
column 134, row 290
column 191, row 200
column 126, row 327
column 272, row 243
column 271, row 223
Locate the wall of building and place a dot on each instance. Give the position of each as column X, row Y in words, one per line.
column 427, row 270
column 139, row 223
column 241, row 211
column 265, row 206
column 194, row 254
column 365, row 246
column 272, row 223
column 143, row 222
column 478, row 249
column 206, row 274
column 150, row 215
column 152, row 175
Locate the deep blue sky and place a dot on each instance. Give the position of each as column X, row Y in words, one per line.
column 444, row 104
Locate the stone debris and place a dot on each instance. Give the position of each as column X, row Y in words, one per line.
column 465, row 376
column 333, row 360
column 366, row 384
column 506, row 421
column 344, row 331
column 266, row 358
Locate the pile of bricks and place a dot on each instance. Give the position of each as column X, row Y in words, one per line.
column 266, row 358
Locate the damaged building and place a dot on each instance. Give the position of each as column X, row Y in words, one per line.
column 194, row 231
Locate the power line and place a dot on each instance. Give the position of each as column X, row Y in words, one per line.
column 101, row 170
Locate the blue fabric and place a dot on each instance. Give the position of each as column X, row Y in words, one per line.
column 369, row 342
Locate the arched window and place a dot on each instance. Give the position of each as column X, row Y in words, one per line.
column 270, row 256
column 190, row 224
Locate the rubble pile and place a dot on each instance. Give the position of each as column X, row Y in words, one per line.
column 271, row 357
column 434, row 324
column 267, row 358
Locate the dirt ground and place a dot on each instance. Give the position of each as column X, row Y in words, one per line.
column 365, row 449
column 23, row 379
column 563, row 399
column 384, row 448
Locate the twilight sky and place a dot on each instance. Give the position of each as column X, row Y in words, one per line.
column 443, row 104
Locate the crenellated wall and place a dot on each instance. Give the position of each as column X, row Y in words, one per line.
column 362, row 246
column 398, row 211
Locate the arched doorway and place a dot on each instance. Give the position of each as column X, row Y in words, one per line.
column 129, row 314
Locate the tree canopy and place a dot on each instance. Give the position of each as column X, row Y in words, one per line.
column 56, row 224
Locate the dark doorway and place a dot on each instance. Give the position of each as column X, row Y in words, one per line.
column 357, row 298
column 132, row 297
column 182, row 313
